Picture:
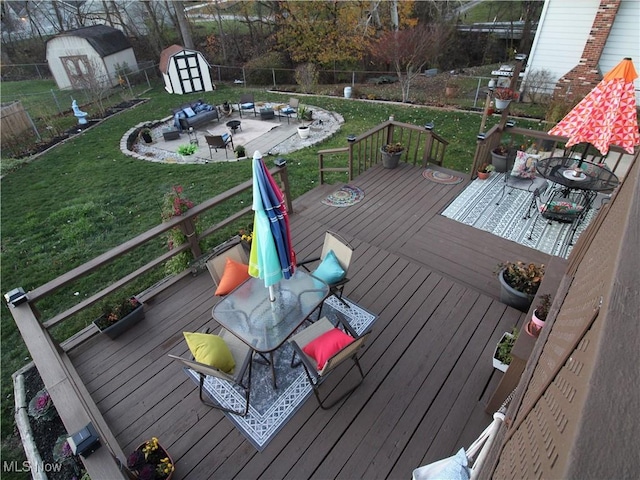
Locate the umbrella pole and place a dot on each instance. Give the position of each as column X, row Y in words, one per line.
column 272, row 294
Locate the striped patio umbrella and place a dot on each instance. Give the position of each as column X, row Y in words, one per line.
column 272, row 257
column 607, row 115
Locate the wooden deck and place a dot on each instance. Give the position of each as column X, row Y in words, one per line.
column 427, row 365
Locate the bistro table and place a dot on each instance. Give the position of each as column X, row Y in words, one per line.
column 576, row 174
column 248, row 313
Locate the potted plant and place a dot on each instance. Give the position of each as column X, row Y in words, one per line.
column 519, row 283
column 485, row 170
column 188, row 149
column 303, row 114
column 118, row 317
column 145, row 134
column 539, row 316
column 503, row 97
column 499, row 157
column 241, row 152
column 151, row 461
column 502, row 353
column 391, row 154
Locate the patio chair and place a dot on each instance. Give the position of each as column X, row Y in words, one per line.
column 227, row 278
column 334, row 264
column 521, row 175
column 554, row 206
column 247, row 103
column 242, row 356
column 291, row 108
column 219, row 141
column 327, row 352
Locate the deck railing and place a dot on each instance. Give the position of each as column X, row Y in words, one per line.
column 617, row 160
column 72, row 399
column 421, row 146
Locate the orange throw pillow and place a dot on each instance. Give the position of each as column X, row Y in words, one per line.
column 234, row 274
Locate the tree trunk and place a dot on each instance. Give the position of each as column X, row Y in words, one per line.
column 183, row 23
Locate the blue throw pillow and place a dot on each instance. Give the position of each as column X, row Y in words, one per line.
column 189, row 112
column 246, row 106
column 330, row 270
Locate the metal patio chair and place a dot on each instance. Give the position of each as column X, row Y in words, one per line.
column 217, row 261
column 219, row 141
column 316, row 376
column 247, row 103
column 514, row 182
column 242, row 356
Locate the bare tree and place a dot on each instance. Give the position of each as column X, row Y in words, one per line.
column 409, row 50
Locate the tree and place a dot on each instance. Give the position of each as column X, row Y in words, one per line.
column 410, row 50
column 323, row 32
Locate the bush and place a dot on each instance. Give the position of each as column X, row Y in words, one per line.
column 258, row 70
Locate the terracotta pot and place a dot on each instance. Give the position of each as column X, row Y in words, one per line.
column 483, row 175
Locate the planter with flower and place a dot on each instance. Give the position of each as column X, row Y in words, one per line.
column 519, row 283
column 151, row 461
column 246, row 235
column 502, row 354
column 485, row 170
column 41, row 407
column 499, row 157
column 119, row 317
column 391, row 154
column 304, row 114
column 503, row 97
column 175, row 204
column 539, row 316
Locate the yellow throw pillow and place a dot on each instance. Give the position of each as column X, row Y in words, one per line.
column 210, row 350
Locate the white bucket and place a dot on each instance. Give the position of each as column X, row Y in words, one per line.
column 347, row 92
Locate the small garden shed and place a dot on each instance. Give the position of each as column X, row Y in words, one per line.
column 82, row 57
column 185, row 71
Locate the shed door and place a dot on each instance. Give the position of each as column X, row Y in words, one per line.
column 189, row 72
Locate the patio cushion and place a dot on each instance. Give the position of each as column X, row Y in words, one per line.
column 189, row 112
column 247, row 105
column 525, row 165
column 210, row 350
column 329, row 269
column 326, row 345
column 234, row 274
column 561, row 206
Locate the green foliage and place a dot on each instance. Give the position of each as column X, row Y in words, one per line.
column 503, row 352
column 258, row 69
column 187, row 149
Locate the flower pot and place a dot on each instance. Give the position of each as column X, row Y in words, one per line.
column 535, row 325
column 512, row 297
column 497, row 363
column 390, row 160
column 499, row 161
column 153, row 459
column 502, row 104
column 124, row 324
column 483, row 175
column 304, row 132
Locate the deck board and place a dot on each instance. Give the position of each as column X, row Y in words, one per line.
column 427, row 363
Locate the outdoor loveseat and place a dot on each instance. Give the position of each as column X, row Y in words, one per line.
column 195, row 114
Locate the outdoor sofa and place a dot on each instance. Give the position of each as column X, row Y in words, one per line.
column 195, row 114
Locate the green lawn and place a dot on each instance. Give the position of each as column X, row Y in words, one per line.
column 85, row 197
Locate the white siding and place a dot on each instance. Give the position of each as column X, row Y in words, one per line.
column 70, row 46
column 624, row 40
column 125, row 56
column 561, row 36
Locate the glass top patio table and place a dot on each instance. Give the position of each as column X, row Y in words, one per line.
column 248, row 313
column 591, row 177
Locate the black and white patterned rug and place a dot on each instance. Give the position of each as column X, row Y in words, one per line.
column 476, row 206
column 269, row 408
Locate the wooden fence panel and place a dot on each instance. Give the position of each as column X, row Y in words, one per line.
column 14, row 120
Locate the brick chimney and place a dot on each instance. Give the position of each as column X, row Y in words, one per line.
column 583, row 77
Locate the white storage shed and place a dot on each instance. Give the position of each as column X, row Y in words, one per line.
column 89, row 54
column 185, row 71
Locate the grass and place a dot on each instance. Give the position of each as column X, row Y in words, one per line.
column 85, row 197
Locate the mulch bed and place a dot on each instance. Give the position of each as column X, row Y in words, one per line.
column 46, row 432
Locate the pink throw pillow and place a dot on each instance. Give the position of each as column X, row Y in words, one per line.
column 326, row 345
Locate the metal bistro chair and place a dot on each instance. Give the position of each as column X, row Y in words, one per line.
column 310, row 364
column 247, row 103
column 242, row 356
column 512, row 181
column 219, row 141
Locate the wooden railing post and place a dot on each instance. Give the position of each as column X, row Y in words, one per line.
column 286, row 190
column 188, row 227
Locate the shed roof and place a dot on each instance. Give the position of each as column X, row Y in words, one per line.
column 104, row 40
column 169, row 52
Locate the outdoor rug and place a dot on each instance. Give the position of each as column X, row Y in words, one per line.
column 269, row 409
column 251, row 129
column 441, row 177
column 345, row 197
column 476, row 206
